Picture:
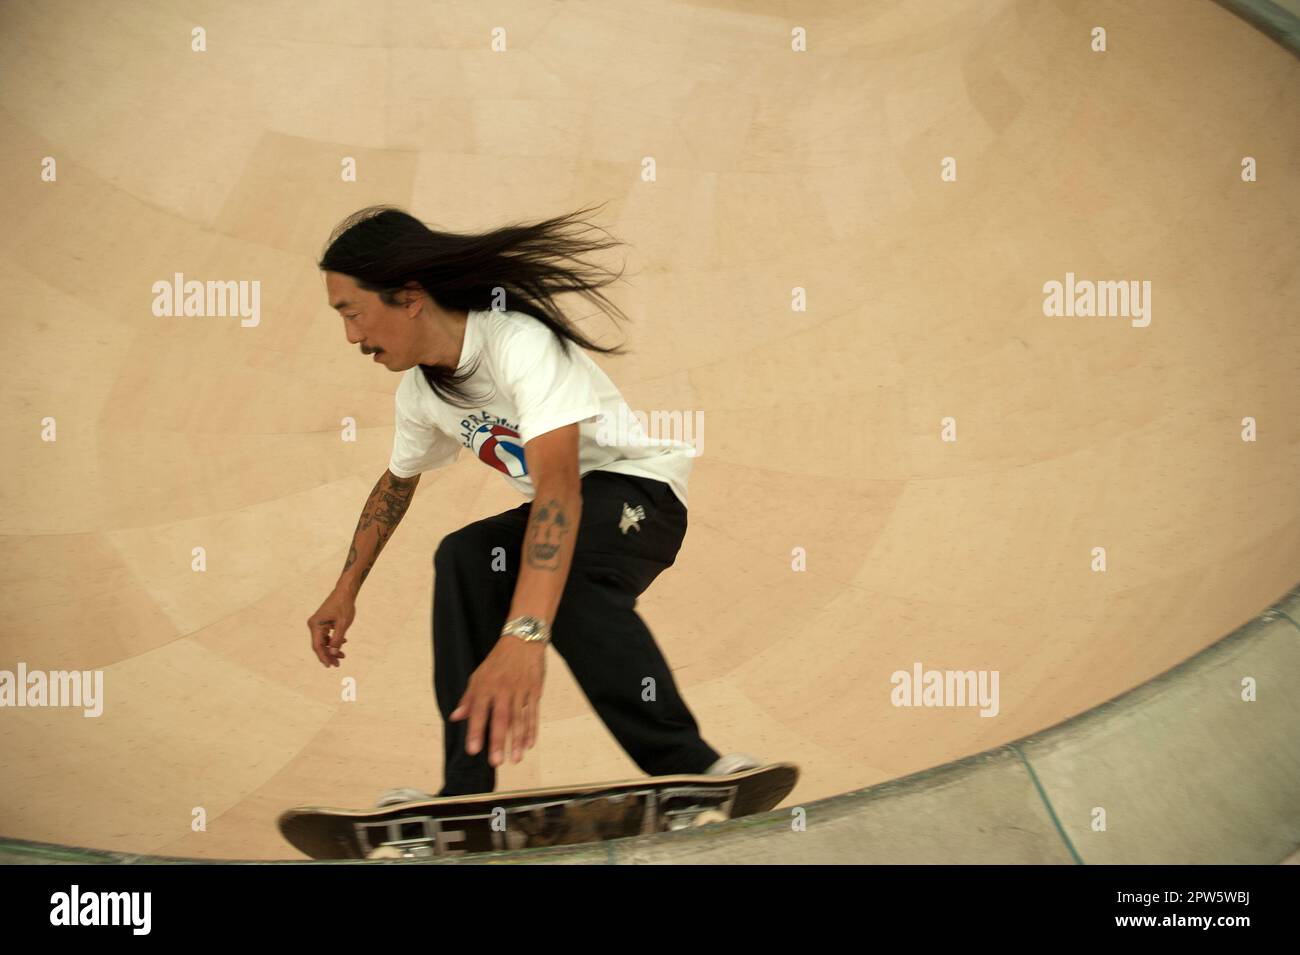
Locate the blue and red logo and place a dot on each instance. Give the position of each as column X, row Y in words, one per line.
column 499, row 446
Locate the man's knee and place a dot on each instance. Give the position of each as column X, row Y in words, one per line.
column 462, row 547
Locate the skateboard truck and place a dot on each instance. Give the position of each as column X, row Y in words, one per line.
column 412, row 836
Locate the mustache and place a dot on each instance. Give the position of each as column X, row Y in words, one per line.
column 369, row 351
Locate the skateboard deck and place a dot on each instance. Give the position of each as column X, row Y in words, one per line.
column 531, row 818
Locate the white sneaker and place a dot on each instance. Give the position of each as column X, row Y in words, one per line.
column 395, row 797
column 733, row 763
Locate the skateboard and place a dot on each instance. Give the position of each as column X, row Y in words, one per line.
column 530, row 818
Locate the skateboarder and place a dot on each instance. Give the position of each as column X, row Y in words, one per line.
column 489, row 363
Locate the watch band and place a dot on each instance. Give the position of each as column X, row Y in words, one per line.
column 528, row 629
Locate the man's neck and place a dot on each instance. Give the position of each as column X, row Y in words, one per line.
column 448, row 338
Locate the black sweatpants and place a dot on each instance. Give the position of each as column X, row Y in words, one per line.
column 631, row 530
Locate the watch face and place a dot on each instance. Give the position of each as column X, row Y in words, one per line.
column 528, row 628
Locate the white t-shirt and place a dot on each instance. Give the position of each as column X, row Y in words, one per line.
column 532, row 388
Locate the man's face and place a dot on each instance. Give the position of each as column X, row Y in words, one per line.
column 385, row 331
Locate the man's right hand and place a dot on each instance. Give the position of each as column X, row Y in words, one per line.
column 328, row 626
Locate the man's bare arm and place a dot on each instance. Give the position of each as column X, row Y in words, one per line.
column 379, row 518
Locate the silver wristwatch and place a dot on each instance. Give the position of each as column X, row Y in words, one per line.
column 528, row 629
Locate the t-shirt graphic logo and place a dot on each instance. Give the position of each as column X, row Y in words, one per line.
column 500, row 447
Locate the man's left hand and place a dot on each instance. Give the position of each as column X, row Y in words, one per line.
column 507, row 687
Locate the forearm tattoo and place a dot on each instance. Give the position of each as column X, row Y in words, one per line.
column 549, row 524
column 384, row 509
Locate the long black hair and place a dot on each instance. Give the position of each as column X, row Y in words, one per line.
column 384, row 247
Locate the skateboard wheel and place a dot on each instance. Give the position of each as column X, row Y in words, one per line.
column 709, row 816
column 385, row 852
